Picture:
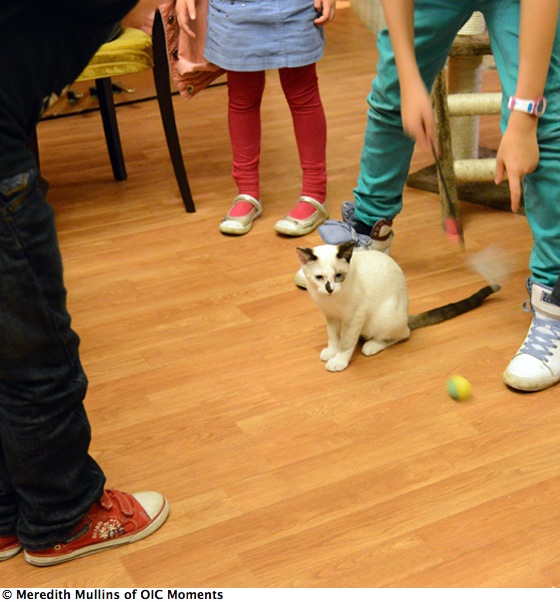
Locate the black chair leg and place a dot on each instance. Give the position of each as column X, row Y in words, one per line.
column 104, row 88
column 163, row 91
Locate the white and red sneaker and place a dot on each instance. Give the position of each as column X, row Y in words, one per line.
column 116, row 519
column 9, row 547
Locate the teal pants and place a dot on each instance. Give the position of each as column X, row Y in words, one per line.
column 387, row 151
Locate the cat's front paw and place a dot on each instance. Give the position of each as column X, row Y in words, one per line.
column 327, row 354
column 337, row 364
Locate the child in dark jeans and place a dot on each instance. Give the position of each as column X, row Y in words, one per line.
column 53, row 500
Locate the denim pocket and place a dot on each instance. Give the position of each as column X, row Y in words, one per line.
column 15, row 190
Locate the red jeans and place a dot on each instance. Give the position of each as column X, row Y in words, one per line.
column 301, row 89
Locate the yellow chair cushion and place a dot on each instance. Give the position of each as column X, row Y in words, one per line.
column 131, row 52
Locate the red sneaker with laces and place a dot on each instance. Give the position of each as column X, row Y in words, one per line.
column 9, row 547
column 117, row 518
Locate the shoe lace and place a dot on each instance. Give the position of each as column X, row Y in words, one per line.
column 542, row 338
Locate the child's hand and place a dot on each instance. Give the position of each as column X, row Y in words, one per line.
column 185, row 10
column 518, row 154
column 417, row 114
column 327, row 9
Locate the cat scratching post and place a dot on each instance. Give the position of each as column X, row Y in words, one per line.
column 459, row 103
column 465, row 77
column 466, row 102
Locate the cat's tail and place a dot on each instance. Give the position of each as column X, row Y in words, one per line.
column 446, row 312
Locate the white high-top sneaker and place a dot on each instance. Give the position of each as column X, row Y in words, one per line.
column 537, row 363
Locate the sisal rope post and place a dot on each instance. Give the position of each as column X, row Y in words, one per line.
column 465, row 77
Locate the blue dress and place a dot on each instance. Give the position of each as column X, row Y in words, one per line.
column 253, row 35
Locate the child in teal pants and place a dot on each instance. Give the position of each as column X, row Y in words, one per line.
column 526, row 44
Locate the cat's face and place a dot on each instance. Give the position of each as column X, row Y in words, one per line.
column 326, row 266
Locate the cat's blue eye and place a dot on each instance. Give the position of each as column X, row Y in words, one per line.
column 338, row 277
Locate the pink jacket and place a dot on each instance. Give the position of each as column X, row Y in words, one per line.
column 190, row 71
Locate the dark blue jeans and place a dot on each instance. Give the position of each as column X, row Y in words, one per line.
column 47, row 478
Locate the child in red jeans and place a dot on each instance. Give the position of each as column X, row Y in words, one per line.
column 246, row 38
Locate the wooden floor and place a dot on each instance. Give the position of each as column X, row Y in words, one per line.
column 206, row 383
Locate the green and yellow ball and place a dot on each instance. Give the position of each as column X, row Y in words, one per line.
column 459, row 388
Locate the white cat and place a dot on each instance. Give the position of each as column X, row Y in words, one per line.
column 364, row 295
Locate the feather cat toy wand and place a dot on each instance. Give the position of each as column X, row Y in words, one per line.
column 453, row 227
column 488, row 263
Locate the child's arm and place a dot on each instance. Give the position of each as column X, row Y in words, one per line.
column 416, row 107
column 518, row 153
column 327, row 9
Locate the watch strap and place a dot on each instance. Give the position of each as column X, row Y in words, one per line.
column 534, row 106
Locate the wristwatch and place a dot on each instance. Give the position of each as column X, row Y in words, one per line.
column 534, row 107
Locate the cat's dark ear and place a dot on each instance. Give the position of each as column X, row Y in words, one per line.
column 305, row 255
column 345, row 250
